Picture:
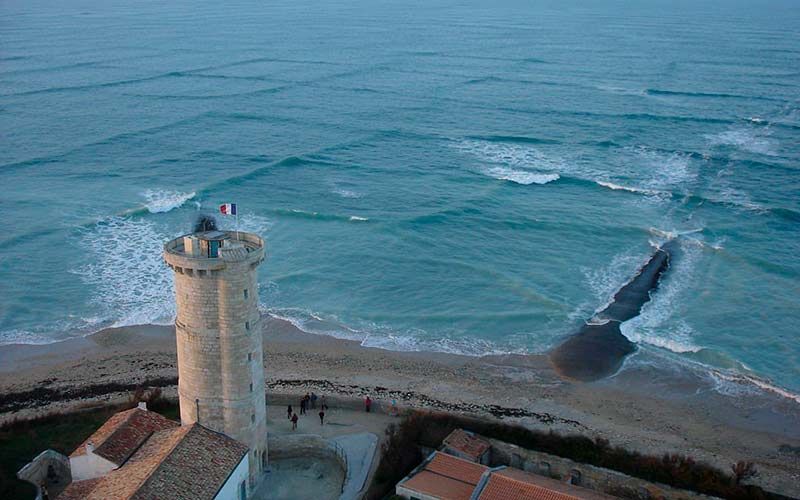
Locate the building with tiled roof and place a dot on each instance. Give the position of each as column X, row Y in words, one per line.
column 467, row 445
column 445, row 477
column 115, row 441
column 442, row 476
column 506, row 483
column 138, row 454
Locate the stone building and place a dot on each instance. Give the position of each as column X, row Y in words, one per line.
column 220, row 356
column 139, row 454
column 445, row 477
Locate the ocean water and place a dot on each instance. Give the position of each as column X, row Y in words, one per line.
column 472, row 177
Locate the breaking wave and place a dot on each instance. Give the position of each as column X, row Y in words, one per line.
column 160, row 200
column 515, row 162
column 747, row 139
column 131, row 283
column 521, row 176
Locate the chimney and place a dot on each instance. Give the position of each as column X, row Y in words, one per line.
column 142, row 405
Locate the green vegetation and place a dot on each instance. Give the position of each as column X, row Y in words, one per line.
column 22, row 440
column 401, row 452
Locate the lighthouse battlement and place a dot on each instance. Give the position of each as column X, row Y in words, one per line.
column 211, row 250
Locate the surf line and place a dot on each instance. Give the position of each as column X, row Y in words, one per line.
column 598, row 349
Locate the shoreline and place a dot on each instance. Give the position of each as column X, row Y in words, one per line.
column 644, row 407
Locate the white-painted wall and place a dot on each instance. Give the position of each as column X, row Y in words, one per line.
column 89, row 466
column 408, row 493
column 230, row 490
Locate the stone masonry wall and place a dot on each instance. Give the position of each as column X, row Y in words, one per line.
column 219, row 348
column 595, row 478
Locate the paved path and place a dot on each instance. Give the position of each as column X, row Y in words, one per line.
column 337, row 422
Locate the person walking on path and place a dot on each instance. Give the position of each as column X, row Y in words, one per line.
column 322, row 417
column 289, row 412
column 303, row 406
column 367, row 403
column 313, row 401
column 294, row 422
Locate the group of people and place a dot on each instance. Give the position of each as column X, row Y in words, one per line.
column 308, row 402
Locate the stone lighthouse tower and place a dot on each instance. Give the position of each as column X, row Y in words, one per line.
column 220, row 363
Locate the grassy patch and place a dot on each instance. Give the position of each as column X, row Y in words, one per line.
column 22, row 440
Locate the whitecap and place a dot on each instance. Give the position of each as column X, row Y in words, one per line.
column 618, row 187
column 747, row 139
column 664, row 170
column 659, row 323
column 356, row 218
column 131, row 284
column 513, row 162
column 161, row 200
column 346, row 193
column 521, row 176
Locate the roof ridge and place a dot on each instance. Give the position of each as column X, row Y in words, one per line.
column 492, row 473
column 166, row 455
column 130, row 413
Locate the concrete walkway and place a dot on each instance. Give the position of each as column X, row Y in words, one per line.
column 359, row 449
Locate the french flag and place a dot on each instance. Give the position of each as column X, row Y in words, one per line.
column 228, row 209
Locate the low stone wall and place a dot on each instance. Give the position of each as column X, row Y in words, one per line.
column 595, row 478
column 343, row 402
column 303, row 446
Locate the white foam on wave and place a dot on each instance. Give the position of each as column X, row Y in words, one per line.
column 613, row 89
column 162, row 200
column 523, row 177
column 661, row 170
column 513, row 162
column 737, row 384
column 383, row 337
column 604, row 282
column 753, row 140
column 132, row 285
column 346, row 193
column 251, row 223
column 618, row 187
column 660, row 323
column 674, row 233
column 356, row 218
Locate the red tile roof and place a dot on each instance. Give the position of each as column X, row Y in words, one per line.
column 188, row 462
column 446, row 477
column 123, row 433
column 469, row 444
column 438, row 486
column 515, row 484
column 506, row 488
column 456, row 468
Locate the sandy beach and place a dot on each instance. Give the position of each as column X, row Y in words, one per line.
column 647, row 409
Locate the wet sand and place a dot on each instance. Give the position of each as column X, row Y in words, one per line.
column 654, row 410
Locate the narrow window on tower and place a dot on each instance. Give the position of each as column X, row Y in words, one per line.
column 253, row 418
column 249, row 356
column 245, row 294
column 246, row 325
column 251, row 387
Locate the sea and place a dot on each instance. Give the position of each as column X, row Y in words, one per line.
column 443, row 175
